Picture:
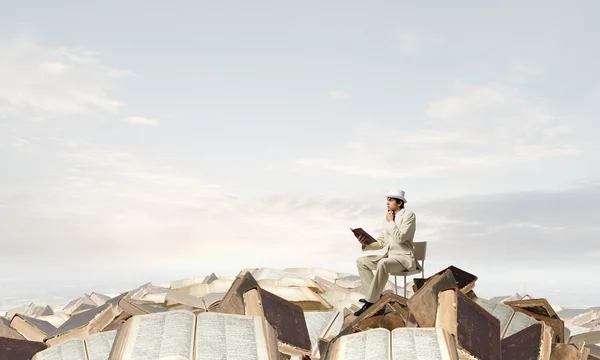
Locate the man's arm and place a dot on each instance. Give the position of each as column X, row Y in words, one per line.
column 400, row 233
column 378, row 244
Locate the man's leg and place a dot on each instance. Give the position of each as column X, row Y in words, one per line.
column 366, row 265
column 382, row 274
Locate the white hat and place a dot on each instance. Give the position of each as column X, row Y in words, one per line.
column 396, row 194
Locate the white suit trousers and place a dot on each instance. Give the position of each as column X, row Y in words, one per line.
column 373, row 285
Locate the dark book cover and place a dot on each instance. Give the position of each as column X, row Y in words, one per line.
column 523, row 345
column 287, row 318
column 464, row 280
column 478, row 331
column 423, row 304
column 359, row 231
column 15, row 349
column 233, row 300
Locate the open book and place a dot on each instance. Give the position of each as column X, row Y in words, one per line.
column 181, row 335
column 322, row 324
column 399, row 344
column 359, row 231
column 511, row 321
column 95, row 347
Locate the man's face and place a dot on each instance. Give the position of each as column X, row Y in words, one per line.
column 392, row 204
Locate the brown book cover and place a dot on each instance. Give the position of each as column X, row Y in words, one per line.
column 423, row 304
column 536, row 306
column 476, row 330
column 286, row 317
column 360, row 231
column 465, row 281
column 532, row 343
column 16, row 349
column 8, row 332
column 561, row 351
column 233, row 301
column 31, row 328
column 87, row 322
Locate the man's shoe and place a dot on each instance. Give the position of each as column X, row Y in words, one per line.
column 363, row 308
column 363, row 300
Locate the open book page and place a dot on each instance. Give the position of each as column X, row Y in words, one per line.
column 295, row 294
column 271, row 274
column 69, row 350
column 201, row 290
column 230, row 336
column 318, row 322
column 314, row 272
column 177, row 284
column 288, row 281
column 500, row 311
column 519, row 322
column 212, row 297
column 159, row 335
column 335, row 327
column 98, row 345
column 373, row 344
column 339, row 295
column 419, row 344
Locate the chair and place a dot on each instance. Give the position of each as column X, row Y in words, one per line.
column 420, row 252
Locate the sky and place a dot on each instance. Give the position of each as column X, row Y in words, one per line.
column 152, row 141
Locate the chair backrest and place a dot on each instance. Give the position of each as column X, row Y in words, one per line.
column 420, row 253
column 420, row 250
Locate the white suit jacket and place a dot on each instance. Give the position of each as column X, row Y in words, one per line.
column 397, row 237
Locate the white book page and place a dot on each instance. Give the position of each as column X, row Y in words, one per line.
column 419, row 344
column 270, row 273
column 165, row 335
column 519, row 322
column 500, row 311
column 227, row 336
column 73, row 349
column 371, row 344
column 99, row 345
column 317, row 322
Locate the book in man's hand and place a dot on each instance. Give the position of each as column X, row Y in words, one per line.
column 359, row 231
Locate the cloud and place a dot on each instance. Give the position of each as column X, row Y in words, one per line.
column 521, row 70
column 339, row 95
column 411, row 42
column 137, row 213
column 477, row 126
column 19, row 143
column 37, row 82
column 537, row 239
column 139, row 120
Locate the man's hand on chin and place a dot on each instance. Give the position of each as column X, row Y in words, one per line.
column 389, row 217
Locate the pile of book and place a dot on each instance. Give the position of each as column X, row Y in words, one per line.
column 300, row 314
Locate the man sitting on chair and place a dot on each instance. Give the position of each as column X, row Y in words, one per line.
column 397, row 237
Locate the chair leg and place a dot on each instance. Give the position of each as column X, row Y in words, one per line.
column 395, row 285
column 405, row 286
